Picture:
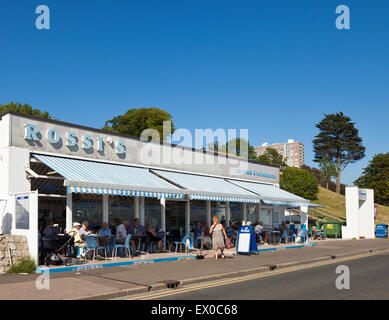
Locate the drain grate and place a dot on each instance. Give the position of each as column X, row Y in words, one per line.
column 271, row 266
column 171, row 283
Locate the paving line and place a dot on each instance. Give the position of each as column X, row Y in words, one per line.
column 251, row 277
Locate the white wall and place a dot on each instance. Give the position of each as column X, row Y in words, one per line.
column 359, row 214
column 366, row 216
column 352, row 208
column 19, row 159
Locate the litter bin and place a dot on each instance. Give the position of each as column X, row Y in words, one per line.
column 381, row 230
column 332, row 229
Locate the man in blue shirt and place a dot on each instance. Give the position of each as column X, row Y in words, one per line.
column 138, row 235
column 105, row 236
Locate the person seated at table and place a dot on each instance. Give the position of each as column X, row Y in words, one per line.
column 121, row 232
column 78, row 241
column 317, row 233
column 284, row 231
column 139, row 234
column 50, row 232
column 258, row 233
column 265, row 234
column 105, row 234
column 83, row 231
column 207, row 241
column 237, row 225
column 231, row 233
column 153, row 237
column 198, row 231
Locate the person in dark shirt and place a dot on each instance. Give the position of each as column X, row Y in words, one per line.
column 50, row 232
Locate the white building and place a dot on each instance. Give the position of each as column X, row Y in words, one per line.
column 51, row 170
column 292, row 151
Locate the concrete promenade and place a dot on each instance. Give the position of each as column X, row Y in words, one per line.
column 114, row 282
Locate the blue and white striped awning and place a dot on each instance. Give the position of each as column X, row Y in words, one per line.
column 284, row 203
column 271, row 194
column 92, row 177
column 200, row 187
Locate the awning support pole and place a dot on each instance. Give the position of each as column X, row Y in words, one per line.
column 163, row 219
column 244, row 212
column 208, row 211
column 142, row 210
column 228, row 213
column 136, row 207
column 69, row 211
column 105, row 208
column 259, row 212
column 187, row 216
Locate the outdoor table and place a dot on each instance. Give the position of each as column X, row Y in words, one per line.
column 169, row 239
column 274, row 232
column 109, row 244
column 139, row 237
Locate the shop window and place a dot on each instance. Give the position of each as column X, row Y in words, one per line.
column 236, row 211
column 153, row 213
column 175, row 216
column 218, row 209
column 252, row 213
column 197, row 212
column 88, row 207
column 120, row 209
column 266, row 217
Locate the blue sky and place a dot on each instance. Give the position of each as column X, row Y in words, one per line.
column 272, row 67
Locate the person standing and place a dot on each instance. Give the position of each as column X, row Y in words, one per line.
column 218, row 236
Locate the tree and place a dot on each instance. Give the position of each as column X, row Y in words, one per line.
column 327, row 169
column 272, row 157
column 135, row 121
column 338, row 141
column 376, row 176
column 301, row 182
column 25, row 108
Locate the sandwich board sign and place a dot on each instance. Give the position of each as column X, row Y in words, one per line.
column 246, row 241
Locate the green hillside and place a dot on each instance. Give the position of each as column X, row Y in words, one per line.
column 335, row 204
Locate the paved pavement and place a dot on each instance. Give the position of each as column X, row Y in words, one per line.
column 369, row 280
column 118, row 281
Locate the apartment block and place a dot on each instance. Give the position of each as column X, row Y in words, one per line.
column 293, row 151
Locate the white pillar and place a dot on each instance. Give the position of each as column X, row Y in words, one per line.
column 228, row 213
column 304, row 216
column 142, row 210
column 105, row 208
column 244, row 212
column 163, row 219
column 187, row 216
column 136, row 207
column 69, row 211
column 208, row 211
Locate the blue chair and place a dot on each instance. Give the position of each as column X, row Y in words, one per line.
column 91, row 245
column 292, row 236
column 303, row 234
column 188, row 236
column 81, row 251
column 126, row 246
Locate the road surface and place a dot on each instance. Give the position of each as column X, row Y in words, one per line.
column 369, row 279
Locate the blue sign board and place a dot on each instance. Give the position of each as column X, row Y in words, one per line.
column 247, row 242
